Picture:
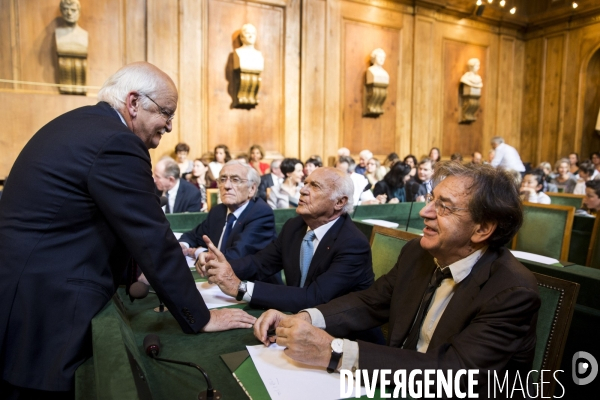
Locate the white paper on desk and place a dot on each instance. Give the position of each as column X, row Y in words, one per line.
column 381, row 222
column 214, row 297
column 286, row 379
column 534, row 257
column 191, row 262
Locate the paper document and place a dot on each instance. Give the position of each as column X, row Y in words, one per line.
column 286, row 379
column 535, row 257
column 381, row 222
column 214, row 297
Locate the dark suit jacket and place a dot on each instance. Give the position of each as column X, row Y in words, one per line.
column 415, row 188
column 188, row 198
column 488, row 324
column 253, row 231
column 341, row 264
column 80, row 206
column 266, row 181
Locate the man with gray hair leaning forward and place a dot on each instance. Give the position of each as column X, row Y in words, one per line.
column 79, row 205
column 456, row 298
column 321, row 251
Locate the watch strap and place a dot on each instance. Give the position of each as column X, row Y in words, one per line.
column 242, row 289
column 334, row 361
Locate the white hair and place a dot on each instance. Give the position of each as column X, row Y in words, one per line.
column 136, row 77
column 251, row 174
column 366, row 154
column 344, row 187
column 497, row 140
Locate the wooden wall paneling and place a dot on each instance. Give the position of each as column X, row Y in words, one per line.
column 531, row 105
column 314, row 62
column 31, row 111
column 163, row 51
column 264, row 124
column 591, row 107
column 404, row 98
column 516, row 101
column 291, row 70
column 192, row 102
column 509, row 91
column 7, row 44
column 135, row 31
column 550, row 124
column 333, row 50
column 423, row 137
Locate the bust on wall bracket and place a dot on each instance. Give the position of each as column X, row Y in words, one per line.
column 470, row 92
column 377, row 82
column 72, row 49
column 248, row 63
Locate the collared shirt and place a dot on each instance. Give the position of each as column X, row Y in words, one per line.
column 172, row 194
column 277, row 181
column 507, row 157
column 320, row 233
column 441, row 297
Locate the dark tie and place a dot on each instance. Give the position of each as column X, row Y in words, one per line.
column 228, row 227
column 306, row 255
column 436, row 280
column 167, row 208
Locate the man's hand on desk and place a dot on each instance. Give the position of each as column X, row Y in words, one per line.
column 187, row 251
column 219, row 271
column 224, row 319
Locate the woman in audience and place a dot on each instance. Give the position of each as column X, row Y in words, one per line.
column 532, row 186
column 434, row 154
column 546, row 169
column 591, row 201
column 222, row 155
column 392, row 184
column 390, row 160
column 564, row 181
column 375, row 172
column 412, row 162
column 586, row 171
column 311, row 164
column 256, row 154
column 287, row 194
column 198, row 179
column 574, row 163
column 185, row 166
column 244, row 159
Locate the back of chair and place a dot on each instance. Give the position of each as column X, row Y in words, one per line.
column 566, row 199
column 546, row 230
column 593, row 259
column 554, row 320
column 386, row 244
column 282, row 215
column 183, row 222
column 212, row 197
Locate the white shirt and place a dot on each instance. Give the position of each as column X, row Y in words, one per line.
column 360, row 182
column 507, row 157
column 277, row 181
column 172, row 195
column 441, row 297
column 319, row 234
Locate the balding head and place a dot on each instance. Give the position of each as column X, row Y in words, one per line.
column 166, row 174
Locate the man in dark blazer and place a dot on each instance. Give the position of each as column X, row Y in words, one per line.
column 268, row 180
column 254, row 225
column 418, row 186
column 341, row 262
column 79, row 205
column 480, row 314
column 181, row 195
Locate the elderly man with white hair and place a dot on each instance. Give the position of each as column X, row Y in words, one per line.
column 321, row 251
column 363, row 157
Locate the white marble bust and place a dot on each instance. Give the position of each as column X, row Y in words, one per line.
column 471, row 78
column 376, row 73
column 247, row 58
column 71, row 40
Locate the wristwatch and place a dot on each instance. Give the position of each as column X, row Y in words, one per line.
column 241, row 291
column 337, row 349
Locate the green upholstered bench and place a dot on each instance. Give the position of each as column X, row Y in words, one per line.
column 183, row 222
column 566, row 199
column 386, row 244
column 581, row 236
column 281, row 217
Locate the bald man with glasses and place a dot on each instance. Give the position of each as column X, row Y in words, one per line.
column 455, row 299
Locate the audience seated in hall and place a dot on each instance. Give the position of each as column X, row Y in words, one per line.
column 546, row 168
column 375, row 171
column 412, row 162
column 221, row 156
column 181, row 195
column 574, row 163
column 435, row 155
column 505, row 156
column 591, row 201
column 476, row 158
column 275, row 178
column 563, row 180
column 585, row 173
column 531, row 188
column 256, row 155
column 595, row 157
column 185, row 166
column 363, row 157
column 392, row 185
column 418, row 186
column 287, row 194
column 390, row 160
column 311, row 164
column 362, row 192
column 456, row 157
column 198, row 179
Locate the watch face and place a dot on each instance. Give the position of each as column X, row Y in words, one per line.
column 337, row 345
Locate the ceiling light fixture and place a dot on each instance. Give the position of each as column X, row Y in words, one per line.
column 478, row 2
column 513, row 10
column 575, row 5
column 502, row 3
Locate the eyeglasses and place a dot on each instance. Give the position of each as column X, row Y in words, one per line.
column 167, row 115
column 235, row 180
column 440, row 208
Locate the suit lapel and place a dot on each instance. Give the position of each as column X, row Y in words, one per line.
column 177, row 205
column 219, row 223
column 293, row 278
column 322, row 253
column 240, row 222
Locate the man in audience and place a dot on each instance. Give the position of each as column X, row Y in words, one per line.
column 79, row 204
column 476, row 158
column 181, row 195
column 321, row 251
column 456, row 157
column 506, row 156
column 241, row 225
column 456, row 298
column 591, row 201
column 362, row 193
column 363, row 157
column 269, row 180
column 418, row 186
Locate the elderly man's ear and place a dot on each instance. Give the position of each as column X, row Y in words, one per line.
column 483, row 231
column 340, row 203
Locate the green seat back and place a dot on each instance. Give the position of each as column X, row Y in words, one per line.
column 594, row 249
column 550, row 299
column 385, row 251
column 566, row 200
column 183, row 222
column 281, row 217
column 581, row 236
column 543, row 231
